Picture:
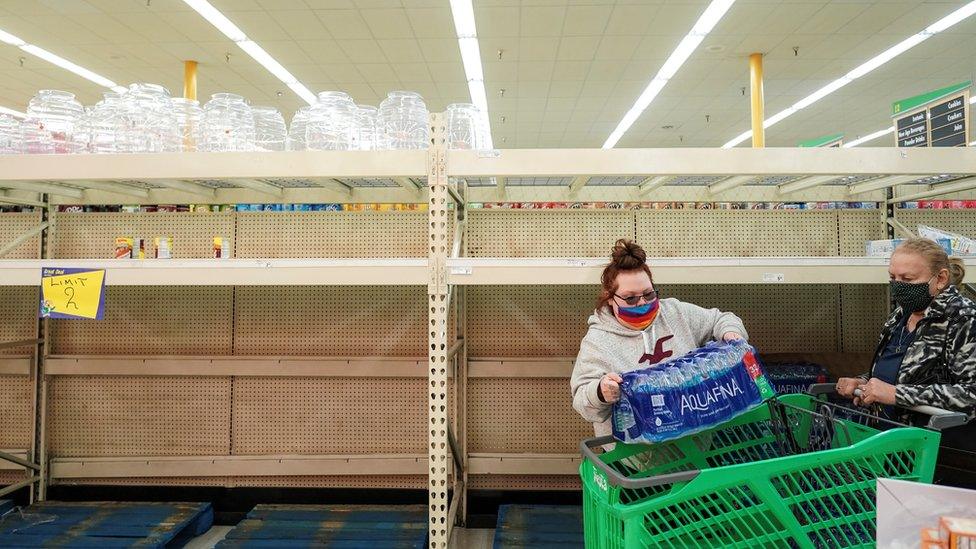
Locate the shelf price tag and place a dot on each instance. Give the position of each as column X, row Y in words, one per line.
column 774, row 278
column 72, row 293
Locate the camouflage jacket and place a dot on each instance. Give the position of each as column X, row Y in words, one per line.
column 939, row 367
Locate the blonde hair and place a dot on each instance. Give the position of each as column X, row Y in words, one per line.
column 935, row 257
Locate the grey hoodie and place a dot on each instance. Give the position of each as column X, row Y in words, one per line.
column 612, row 347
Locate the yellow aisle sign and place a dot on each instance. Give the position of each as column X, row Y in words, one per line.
column 72, row 293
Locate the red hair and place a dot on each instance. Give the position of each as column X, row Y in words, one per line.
column 626, row 257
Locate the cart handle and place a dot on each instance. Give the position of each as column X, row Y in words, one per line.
column 939, row 418
column 616, row 479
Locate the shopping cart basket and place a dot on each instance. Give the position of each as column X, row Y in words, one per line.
column 785, row 474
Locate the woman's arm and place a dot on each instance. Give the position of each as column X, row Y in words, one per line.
column 960, row 395
column 590, row 367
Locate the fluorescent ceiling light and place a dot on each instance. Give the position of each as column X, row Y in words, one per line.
column 250, row 47
column 11, row 39
column 869, row 137
column 866, row 67
column 11, row 112
column 706, row 22
column 54, row 59
column 217, row 19
column 467, row 35
column 69, row 66
column 471, row 58
column 463, row 13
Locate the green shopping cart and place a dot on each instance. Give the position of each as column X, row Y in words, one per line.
column 789, row 473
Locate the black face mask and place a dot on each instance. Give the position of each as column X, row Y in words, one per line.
column 912, row 297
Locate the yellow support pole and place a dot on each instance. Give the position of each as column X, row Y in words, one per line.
column 756, row 85
column 190, row 79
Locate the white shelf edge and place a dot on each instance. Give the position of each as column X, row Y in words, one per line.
column 229, row 272
column 685, row 270
column 462, row 271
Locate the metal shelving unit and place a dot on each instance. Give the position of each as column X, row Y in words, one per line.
column 447, row 181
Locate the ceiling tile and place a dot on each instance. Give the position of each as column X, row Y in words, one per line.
column 500, row 71
column 578, row 48
column 440, row 50
column 390, row 23
column 412, row 72
column 586, row 20
column 493, row 22
column 541, row 21
column 362, row 51
column 565, row 89
column 402, row 50
column 344, row 24
column 323, row 51
column 300, row 25
column 433, row 22
column 534, row 70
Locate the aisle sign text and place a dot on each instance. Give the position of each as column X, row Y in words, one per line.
column 936, row 119
column 72, row 293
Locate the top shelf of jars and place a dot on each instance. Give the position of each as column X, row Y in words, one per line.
column 221, row 168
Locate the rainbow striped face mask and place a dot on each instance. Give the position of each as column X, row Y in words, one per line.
column 639, row 317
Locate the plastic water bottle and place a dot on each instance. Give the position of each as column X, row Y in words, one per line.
column 623, row 419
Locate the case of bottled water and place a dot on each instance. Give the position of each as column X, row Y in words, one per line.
column 694, row 392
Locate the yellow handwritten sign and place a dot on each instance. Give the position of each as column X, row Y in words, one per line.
column 72, row 293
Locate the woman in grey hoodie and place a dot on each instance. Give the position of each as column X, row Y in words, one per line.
column 633, row 329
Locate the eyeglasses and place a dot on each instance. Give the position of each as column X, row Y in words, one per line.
column 635, row 299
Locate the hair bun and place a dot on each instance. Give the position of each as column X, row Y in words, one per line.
column 628, row 255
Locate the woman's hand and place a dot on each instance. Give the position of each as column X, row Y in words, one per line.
column 731, row 336
column 846, row 386
column 875, row 391
column 610, row 387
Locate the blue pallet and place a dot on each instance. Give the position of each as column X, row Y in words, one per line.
column 105, row 524
column 539, row 526
column 333, row 526
column 5, row 505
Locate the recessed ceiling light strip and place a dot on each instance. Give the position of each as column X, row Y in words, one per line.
column 59, row 61
column 709, row 18
column 250, row 47
column 467, row 36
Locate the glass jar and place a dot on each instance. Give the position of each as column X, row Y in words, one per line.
column 270, row 132
column 366, row 124
column 107, row 124
column 331, row 124
column 296, row 130
column 228, row 124
column 189, row 123
column 150, row 120
column 9, row 135
column 53, row 118
column 463, row 120
column 403, row 121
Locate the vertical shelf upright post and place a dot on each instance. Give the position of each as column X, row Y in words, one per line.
column 47, row 252
column 437, row 299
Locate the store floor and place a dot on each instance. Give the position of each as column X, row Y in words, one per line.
column 463, row 538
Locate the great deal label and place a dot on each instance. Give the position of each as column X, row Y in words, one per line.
column 72, row 293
